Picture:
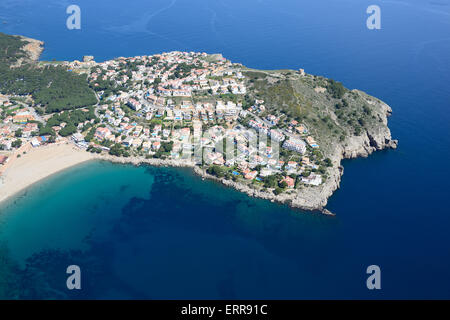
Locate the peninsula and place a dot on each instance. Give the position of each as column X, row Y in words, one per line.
column 278, row 135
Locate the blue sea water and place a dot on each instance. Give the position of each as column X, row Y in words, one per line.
column 163, row 233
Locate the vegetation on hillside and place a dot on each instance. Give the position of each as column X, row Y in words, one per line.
column 54, row 88
column 331, row 115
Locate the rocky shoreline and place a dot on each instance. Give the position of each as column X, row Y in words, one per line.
column 307, row 198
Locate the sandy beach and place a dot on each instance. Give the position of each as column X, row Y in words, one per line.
column 37, row 164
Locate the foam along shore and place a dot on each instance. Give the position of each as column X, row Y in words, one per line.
column 35, row 164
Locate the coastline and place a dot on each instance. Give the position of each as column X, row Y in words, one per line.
column 37, row 164
column 42, row 162
column 312, row 199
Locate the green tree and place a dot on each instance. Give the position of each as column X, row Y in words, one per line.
column 271, row 181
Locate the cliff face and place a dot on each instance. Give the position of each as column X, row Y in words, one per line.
column 345, row 123
column 33, row 49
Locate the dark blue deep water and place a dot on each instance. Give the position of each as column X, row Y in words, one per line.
column 163, row 233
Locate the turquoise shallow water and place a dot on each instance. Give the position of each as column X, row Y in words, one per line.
column 164, row 233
